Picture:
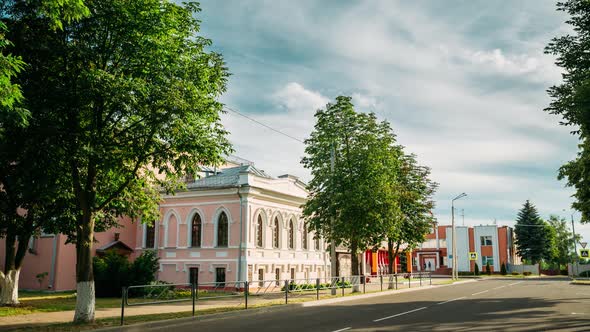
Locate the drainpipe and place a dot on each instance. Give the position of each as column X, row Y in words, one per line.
column 241, row 237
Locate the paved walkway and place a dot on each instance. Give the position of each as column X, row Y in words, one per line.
column 44, row 318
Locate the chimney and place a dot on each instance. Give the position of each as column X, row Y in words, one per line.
column 117, row 236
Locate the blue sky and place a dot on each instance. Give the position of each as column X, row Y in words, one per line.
column 462, row 83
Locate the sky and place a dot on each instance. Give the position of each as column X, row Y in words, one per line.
column 463, row 84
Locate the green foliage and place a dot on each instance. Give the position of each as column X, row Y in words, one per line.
column 584, row 274
column 476, row 269
column 515, row 273
column 562, row 250
column 570, row 99
column 113, row 271
column 359, row 193
column 533, row 236
column 527, row 273
column 503, row 270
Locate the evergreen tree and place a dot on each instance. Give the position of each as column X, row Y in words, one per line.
column 532, row 238
column 476, row 269
column 503, row 269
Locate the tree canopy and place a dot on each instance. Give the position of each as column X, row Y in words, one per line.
column 571, row 98
column 127, row 97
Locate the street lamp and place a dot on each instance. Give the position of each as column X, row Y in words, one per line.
column 574, row 258
column 455, row 270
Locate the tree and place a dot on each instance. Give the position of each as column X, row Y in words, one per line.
column 570, row 99
column 128, row 98
column 476, row 269
column 562, row 248
column 488, row 269
column 355, row 192
column 414, row 192
column 533, row 240
column 503, row 269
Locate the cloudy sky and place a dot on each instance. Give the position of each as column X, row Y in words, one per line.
column 462, row 82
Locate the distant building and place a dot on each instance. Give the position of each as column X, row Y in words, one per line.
column 493, row 245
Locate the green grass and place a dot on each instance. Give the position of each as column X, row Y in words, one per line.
column 33, row 302
column 581, row 282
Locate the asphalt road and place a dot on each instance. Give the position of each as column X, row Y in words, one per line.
column 489, row 305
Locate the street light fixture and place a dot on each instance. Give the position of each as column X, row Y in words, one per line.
column 455, row 270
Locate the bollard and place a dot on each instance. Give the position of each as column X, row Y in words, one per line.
column 123, row 293
column 342, row 286
column 420, row 279
column 409, row 280
column 194, row 296
column 286, row 291
column 396, row 281
column 364, row 280
column 246, row 291
column 381, row 280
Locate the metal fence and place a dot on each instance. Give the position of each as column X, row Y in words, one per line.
column 278, row 290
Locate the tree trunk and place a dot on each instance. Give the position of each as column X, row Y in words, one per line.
column 354, row 264
column 85, row 299
column 9, row 287
column 390, row 263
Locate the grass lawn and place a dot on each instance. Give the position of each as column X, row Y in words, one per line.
column 581, row 282
column 32, row 302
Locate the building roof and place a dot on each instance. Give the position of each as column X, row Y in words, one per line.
column 228, row 177
column 114, row 245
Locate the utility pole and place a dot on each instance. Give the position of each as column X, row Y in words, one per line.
column 455, row 268
column 333, row 258
column 574, row 259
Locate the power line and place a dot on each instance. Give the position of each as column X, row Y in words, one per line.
column 263, row 124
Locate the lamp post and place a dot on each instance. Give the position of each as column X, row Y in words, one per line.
column 574, row 258
column 455, row 270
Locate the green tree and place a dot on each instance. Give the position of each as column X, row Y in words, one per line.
column 570, row 99
column 355, row 192
column 476, row 269
column 128, row 98
column 414, row 191
column 562, row 247
column 503, row 269
column 533, row 241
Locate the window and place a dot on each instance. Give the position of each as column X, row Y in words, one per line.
column 278, row 276
column 222, row 230
column 275, row 233
column 150, row 236
column 193, row 275
column 220, row 276
column 317, row 242
column 304, row 237
column 486, row 240
column 291, row 235
column 196, row 231
column 261, row 277
column 487, row 259
column 259, row 232
column 292, row 273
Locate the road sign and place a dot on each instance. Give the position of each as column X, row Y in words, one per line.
column 472, row 256
column 583, row 244
column 585, row 253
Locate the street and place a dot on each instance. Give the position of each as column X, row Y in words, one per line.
column 485, row 305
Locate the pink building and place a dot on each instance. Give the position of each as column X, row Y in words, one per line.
column 236, row 223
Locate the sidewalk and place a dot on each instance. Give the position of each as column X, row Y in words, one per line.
column 372, row 289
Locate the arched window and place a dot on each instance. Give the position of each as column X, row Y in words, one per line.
column 150, row 236
column 275, row 233
column 291, row 235
column 196, row 231
column 222, row 230
column 259, row 231
column 317, row 242
column 304, row 237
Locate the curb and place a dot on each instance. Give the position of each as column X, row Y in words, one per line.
column 376, row 294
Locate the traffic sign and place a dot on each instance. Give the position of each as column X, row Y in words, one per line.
column 583, row 244
column 585, row 253
column 472, row 256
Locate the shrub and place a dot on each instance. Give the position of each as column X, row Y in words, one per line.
column 488, row 270
column 515, row 273
column 585, row 274
column 503, row 269
column 476, row 269
column 527, row 273
column 113, row 271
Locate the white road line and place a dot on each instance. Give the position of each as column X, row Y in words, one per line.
column 459, row 298
column 485, row 291
column 515, row 283
column 403, row 313
column 344, row 329
column 499, row 287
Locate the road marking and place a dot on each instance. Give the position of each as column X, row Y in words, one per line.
column 485, row 291
column 344, row 329
column 516, row 283
column 459, row 298
column 403, row 313
column 499, row 287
